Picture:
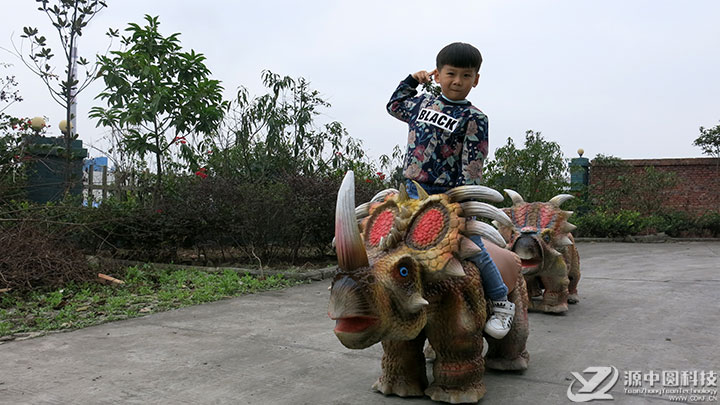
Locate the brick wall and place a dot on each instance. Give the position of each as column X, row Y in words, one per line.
column 698, row 181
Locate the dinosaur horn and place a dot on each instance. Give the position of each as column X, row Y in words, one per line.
column 474, row 227
column 468, row 248
column 349, row 245
column 559, row 199
column 422, row 194
column 380, row 197
column 480, row 209
column 362, row 210
column 416, row 303
column 454, row 268
column 514, row 196
column 563, row 241
column 471, row 192
column 403, row 196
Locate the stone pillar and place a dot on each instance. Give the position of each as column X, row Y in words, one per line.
column 579, row 172
column 46, row 170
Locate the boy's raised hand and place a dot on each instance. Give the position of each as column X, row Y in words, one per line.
column 424, row 76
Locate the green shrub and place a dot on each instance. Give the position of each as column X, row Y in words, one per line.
column 623, row 223
column 606, row 224
column 676, row 223
column 710, row 222
column 221, row 220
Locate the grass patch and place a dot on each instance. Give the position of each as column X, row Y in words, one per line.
column 147, row 289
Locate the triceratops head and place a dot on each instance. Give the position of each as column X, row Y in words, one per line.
column 390, row 249
column 539, row 232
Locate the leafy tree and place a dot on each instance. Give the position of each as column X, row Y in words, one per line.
column 69, row 17
column 709, row 141
column 537, row 172
column 393, row 165
column 275, row 135
column 159, row 96
column 9, row 94
column 13, row 141
column 12, row 133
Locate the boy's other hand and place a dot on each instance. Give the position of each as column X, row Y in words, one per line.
column 424, row 76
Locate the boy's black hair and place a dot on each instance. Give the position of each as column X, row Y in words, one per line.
column 459, row 54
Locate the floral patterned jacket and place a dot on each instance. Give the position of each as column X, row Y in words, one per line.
column 447, row 140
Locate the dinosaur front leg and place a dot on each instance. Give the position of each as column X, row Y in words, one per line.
column 573, row 297
column 456, row 336
column 403, row 368
column 458, row 371
column 533, row 286
column 554, row 278
column 555, row 297
column 573, row 263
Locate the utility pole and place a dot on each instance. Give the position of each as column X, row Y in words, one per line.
column 73, row 89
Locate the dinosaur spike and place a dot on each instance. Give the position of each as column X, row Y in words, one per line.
column 475, row 208
column 486, row 231
column 395, row 235
column 416, row 303
column 422, row 194
column 402, row 225
column 514, row 196
column 362, row 210
column 468, row 248
column 454, row 268
column 403, row 196
column 563, row 241
column 567, row 227
column 389, row 241
column 559, row 199
column 470, row 192
column 379, row 197
column 568, row 213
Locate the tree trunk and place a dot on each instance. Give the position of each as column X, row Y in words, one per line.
column 157, row 195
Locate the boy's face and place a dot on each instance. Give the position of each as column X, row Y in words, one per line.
column 456, row 82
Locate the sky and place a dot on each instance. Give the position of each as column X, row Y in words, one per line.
column 625, row 78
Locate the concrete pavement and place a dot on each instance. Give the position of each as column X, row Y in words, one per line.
column 643, row 307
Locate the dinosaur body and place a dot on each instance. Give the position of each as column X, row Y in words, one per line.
column 403, row 279
column 540, row 235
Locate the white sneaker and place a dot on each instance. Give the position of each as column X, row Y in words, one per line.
column 501, row 320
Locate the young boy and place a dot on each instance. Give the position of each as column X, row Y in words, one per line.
column 447, row 144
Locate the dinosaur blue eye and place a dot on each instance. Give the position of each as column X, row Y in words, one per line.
column 403, row 271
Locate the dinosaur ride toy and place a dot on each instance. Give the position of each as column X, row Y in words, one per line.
column 539, row 233
column 403, row 279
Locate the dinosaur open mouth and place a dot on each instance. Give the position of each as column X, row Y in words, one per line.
column 529, row 265
column 354, row 324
